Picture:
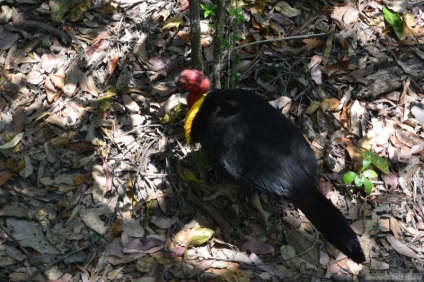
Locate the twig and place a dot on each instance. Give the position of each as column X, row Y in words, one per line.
column 282, row 39
column 305, row 251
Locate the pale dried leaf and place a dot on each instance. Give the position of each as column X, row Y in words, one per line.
column 287, row 10
column 133, row 228
column 402, row 248
column 91, row 217
column 12, row 143
column 29, row 234
column 28, row 169
column 34, row 77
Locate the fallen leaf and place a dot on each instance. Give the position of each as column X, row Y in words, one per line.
column 287, row 10
column 12, row 143
column 402, row 248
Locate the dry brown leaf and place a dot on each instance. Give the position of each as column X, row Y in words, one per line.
column 314, row 68
column 34, row 77
column 58, row 80
column 175, row 21
column 410, row 139
column 313, row 43
column 258, row 247
column 184, row 36
column 132, row 228
column 329, row 105
column 92, row 218
column 48, row 62
column 18, row 122
column 51, row 92
column 357, row 111
column 111, row 66
column 379, row 265
column 402, row 248
column 163, row 222
column 411, row 28
column 300, row 243
column 71, row 81
column 395, row 228
column 345, row 16
column 287, row 10
column 4, row 177
column 12, row 143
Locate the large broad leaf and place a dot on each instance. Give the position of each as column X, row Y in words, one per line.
column 394, row 20
column 376, row 160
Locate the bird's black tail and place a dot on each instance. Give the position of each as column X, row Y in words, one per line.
column 331, row 223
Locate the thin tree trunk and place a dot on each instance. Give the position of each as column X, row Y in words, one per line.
column 217, row 44
column 196, row 48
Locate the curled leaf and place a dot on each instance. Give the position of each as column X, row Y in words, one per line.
column 12, row 143
column 199, row 236
column 286, row 10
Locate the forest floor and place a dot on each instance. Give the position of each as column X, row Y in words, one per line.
column 98, row 184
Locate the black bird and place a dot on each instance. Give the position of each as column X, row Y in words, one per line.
column 252, row 144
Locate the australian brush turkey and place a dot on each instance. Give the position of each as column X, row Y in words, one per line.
column 252, row 144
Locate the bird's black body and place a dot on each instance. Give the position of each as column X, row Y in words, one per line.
column 254, row 145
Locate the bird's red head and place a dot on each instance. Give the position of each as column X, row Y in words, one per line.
column 194, row 82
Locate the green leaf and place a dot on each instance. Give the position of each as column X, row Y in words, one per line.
column 376, row 160
column 368, row 186
column 199, row 236
column 365, row 163
column 359, row 181
column 394, row 20
column 236, row 13
column 370, row 173
column 106, row 102
column 376, row 226
column 185, row 256
column 349, row 177
column 208, row 9
column 58, row 9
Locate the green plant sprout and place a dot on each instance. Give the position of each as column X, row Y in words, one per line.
column 208, row 9
column 236, row 12
column 362, row 178
column 376, row 226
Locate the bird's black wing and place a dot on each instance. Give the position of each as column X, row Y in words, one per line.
column 254, row 144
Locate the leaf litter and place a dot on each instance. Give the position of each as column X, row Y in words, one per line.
column 97, row 184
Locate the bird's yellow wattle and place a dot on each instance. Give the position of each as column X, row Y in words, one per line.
column 190, row 117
